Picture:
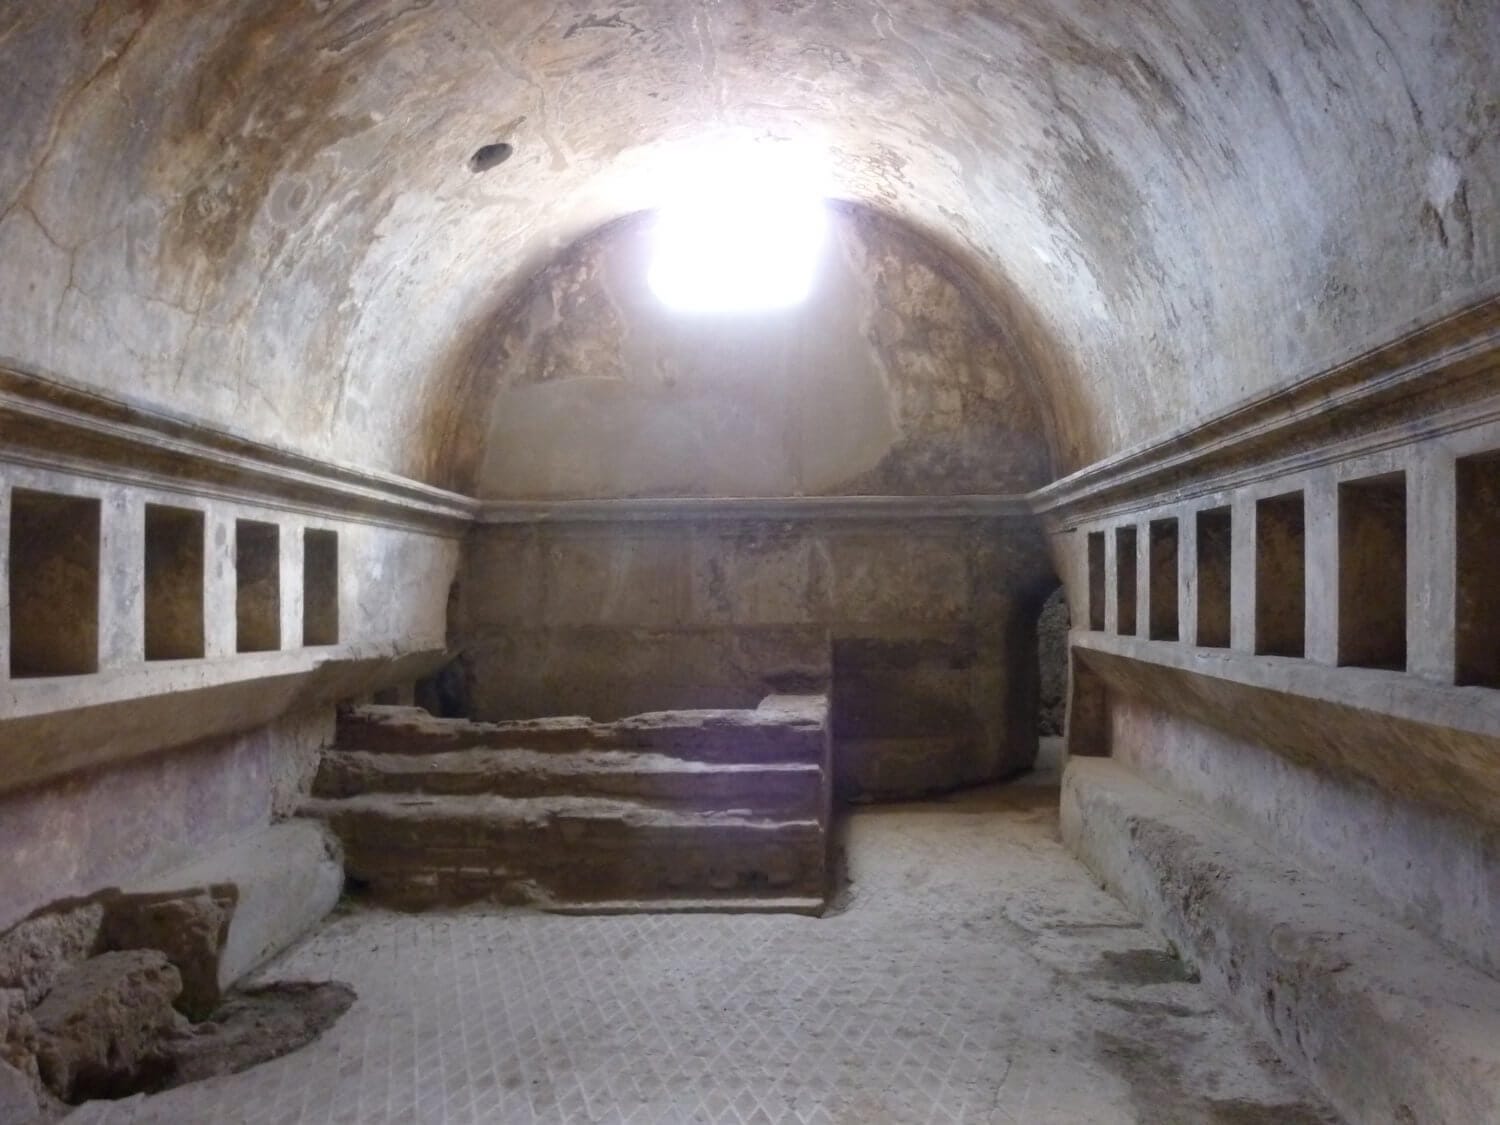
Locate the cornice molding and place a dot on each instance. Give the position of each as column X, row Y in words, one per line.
column 47, row 423
column 737, row 510
column 50, row 424
column 1435, row 372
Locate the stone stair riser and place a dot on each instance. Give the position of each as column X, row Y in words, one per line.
column 376, row 733
column 774, row 793
column 479, row 864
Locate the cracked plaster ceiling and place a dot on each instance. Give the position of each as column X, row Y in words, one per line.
column 261, row 213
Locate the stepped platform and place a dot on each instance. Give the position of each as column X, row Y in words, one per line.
column 675, row 810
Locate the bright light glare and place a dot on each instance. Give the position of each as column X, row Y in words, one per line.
column 744, row 235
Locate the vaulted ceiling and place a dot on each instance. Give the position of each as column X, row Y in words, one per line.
column 262, row 213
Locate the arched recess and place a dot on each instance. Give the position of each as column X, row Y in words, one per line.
column 900, row 374
column 684, row 509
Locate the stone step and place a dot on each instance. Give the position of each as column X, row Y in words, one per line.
column 783, row 729
column 1388, row 1025
column 789, row 790
column 419, row 851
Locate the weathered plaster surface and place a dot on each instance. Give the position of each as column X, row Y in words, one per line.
column 261, row 213
column 891, row 379
column 392, row 595
column 1415, row 731
column 93, row 829
column 1373, row 764
column 1440, row 875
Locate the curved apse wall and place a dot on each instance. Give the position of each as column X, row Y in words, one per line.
column 890, row 378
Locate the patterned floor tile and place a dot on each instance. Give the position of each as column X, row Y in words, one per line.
column 965, row 982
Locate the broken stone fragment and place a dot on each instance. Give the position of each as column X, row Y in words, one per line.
column 20, row 1083
column 19, row 1103
column 34, row 952
column 189, row 927
column 13, row 1008
column 231, row 910
column 18, row 1042
column 99, row 1028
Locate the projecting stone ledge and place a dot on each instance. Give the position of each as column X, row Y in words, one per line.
column 787, row 789
column 1390, row 1026
column 415, row 851
column 782, row 728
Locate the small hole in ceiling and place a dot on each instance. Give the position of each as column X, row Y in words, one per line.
column 490, row 156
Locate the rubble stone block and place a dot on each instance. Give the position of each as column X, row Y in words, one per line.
column 35, row 952
column 191, row 928
column 19, row 1104
column 18, row 1042
column 98, row 1029
column 228, row 913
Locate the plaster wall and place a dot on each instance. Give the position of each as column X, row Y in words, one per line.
column 93, row 829
column 392, row 593
column 1437, row 874
column 137, row 764
column 892, row 378
column 892, row 381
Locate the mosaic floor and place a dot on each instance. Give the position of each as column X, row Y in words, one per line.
column 974, row 974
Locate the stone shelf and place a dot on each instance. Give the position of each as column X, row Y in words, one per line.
column 52, row 726
column 1407, row 735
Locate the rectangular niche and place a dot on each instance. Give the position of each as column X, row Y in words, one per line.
column 257, row 603
column 1372, row 572
column 1477, row 628
column 1097, row 580
column 1163, row 580
column 174, row 583
column 1125, row 579
column 54, row 585
column 320, row 587
column 1215, row 527
column 1281, row 576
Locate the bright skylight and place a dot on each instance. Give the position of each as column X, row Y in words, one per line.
column 743, row 233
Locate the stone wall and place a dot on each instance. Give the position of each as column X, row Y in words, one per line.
column 925, row 624
column 684, row 509
column 1052, row 663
